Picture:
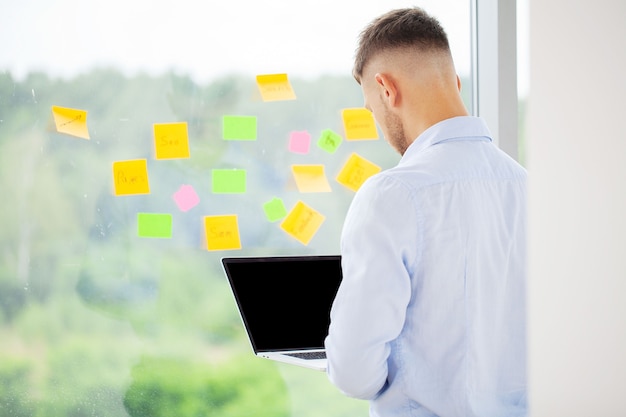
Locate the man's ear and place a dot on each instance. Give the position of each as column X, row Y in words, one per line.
column 389, row 88
column 458, row 82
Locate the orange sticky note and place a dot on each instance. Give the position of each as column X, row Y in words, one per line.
column 359, row 124
column 310, row 178
column 131, row 177
column 302, row 222
column 222, row 232
column 70, row 121
column 355, row 171
column 275, row 87
column 171, row 140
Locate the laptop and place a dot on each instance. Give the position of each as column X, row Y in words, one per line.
column 284, row 303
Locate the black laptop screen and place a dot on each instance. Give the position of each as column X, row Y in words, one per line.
column 285, row 302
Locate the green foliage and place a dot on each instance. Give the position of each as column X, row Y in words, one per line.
column 237, row 388
column 14, row 388
column 83, row 298
column 84, row 376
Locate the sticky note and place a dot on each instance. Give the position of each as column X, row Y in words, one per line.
column 131, row 177
column 228, row 181
column 222, row 232
column 70, row 121
column 359, row 124
column 274, row 209
column 239, row 128
column 355, row 171
column 302, row 222
column 171, row 140
column 310, row 178
column 274, row 87
column 186, row 198
column 329, row 141
column 299, row 142
column 154, row 225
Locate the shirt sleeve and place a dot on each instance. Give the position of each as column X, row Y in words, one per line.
column 379, row 242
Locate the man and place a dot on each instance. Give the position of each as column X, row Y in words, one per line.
column 430, row 317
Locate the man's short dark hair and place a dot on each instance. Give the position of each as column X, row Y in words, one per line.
column 407, row 27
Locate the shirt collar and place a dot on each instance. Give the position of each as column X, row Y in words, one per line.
column 456, row 128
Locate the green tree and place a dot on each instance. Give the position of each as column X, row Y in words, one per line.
column 238, row 388
column 15, row 376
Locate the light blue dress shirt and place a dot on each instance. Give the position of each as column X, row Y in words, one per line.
column 430, row 317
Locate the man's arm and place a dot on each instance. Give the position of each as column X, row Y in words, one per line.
column 379, row 242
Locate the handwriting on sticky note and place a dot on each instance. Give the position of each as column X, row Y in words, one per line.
column 274, row 87
column 186, row 198
column 274, row 209
column 299, row 142
column 310, row 178
column 329, row 141
column 70, row 121
column 302, row 222
column 359, row 124
column 154, row 225
column 131, row 177
column 355, row 171
column 222, row 232
column 228, row 181
column 239, row 127
column 171, row 140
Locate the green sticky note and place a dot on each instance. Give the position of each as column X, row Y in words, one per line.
column 228, row 181
column 154, row 225
column 329, row 141
column 274, row 209
column 239, row 127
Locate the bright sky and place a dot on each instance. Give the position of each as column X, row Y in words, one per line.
column 304, row 37
column 204, row 39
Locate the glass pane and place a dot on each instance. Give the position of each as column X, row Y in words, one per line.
column 136, row 150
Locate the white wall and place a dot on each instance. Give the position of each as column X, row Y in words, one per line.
column 576, row 157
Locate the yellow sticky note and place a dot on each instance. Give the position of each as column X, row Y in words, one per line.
column 302, row 222
column 171, row 140
column 131, row 177
column 275, row 87
column 359, row 124
column 310, row 178
column 355, row 171
column 70, row 121
column 222, row 232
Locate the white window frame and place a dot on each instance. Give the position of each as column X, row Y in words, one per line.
column 494, row 69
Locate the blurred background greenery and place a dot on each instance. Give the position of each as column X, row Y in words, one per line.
column 96, row 321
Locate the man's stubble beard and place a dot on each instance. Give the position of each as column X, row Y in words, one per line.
column 395, row 136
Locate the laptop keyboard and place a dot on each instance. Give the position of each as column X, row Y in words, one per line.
column 308, row 355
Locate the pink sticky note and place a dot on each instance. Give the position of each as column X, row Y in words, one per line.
column 186, row 197
column 299, row 142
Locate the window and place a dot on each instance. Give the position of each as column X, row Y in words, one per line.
column 110, row 302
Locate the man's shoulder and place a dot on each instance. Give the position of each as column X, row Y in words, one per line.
column 396, row 180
